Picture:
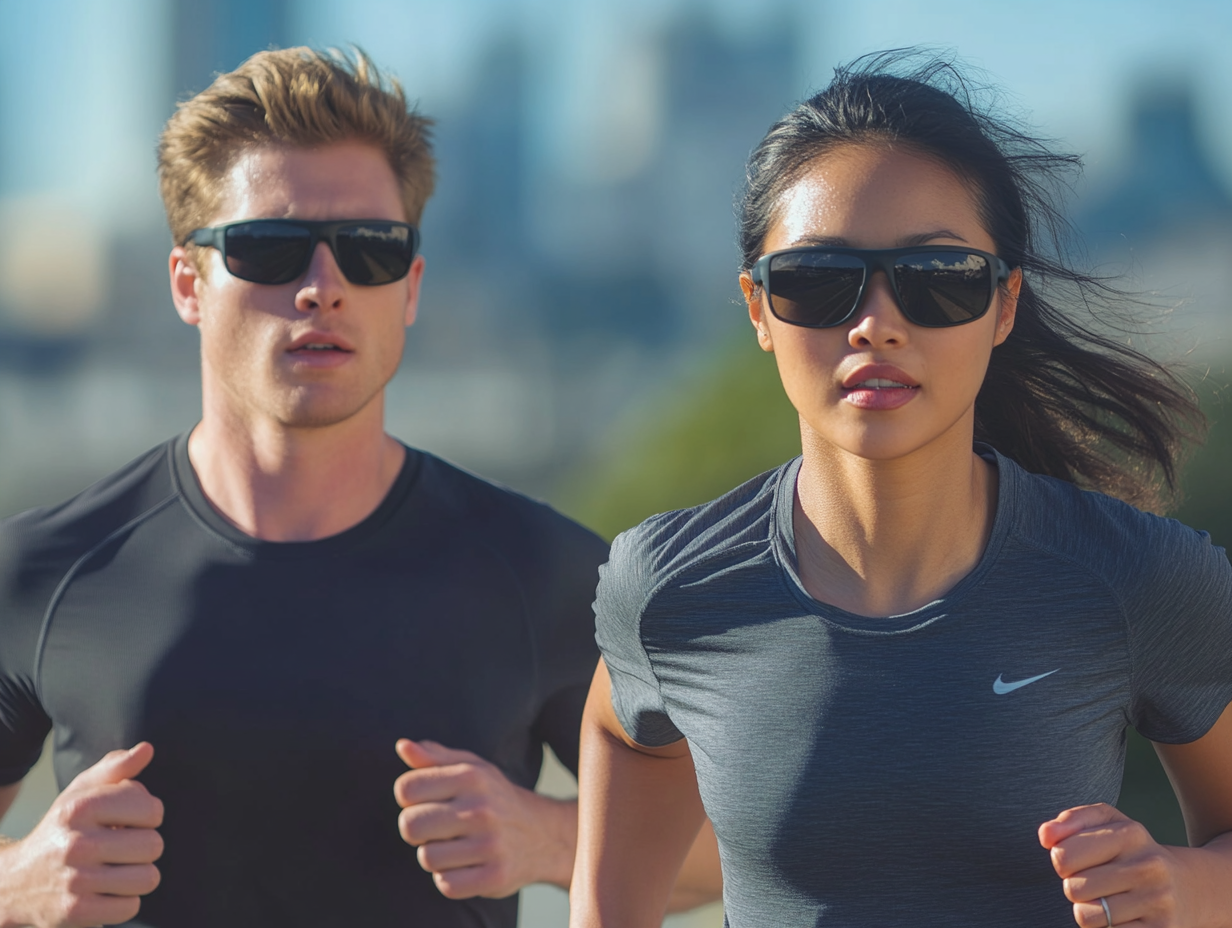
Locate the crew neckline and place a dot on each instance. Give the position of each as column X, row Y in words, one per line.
column 784, row 538
column 193, row 496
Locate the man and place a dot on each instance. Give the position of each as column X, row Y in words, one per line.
column 248, row 617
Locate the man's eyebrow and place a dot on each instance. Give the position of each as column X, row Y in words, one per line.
column 832, row 241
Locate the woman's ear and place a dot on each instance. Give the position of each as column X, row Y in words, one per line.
column 757, row 314
column 1007, row 305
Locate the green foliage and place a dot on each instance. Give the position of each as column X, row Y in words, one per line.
column 733, row 422
column 728, row 424
column 1206, row 502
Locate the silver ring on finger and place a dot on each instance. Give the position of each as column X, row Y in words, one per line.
column 1107, row 911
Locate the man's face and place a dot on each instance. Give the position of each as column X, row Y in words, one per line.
column 318, row 350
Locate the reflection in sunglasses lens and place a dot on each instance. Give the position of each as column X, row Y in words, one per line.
column 374, row 254
column 943, row 288
column 267, row 253
column 814, row 288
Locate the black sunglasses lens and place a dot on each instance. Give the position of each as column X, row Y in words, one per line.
column 374, row 253
column 940, row 288
column 814, row 288
column 267, row 252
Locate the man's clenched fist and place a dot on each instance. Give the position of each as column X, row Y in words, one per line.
column 91, row 858
column 477, row 833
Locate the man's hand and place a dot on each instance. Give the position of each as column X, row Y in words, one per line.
column 479, row 834
column 92, row 856
column 1100, row 853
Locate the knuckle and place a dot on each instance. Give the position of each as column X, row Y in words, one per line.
column 406, row 827
column 450, row 889
column 127, row 907
column 487, row 846
column 500, row 874
column 77, row 911
column 150, row 878
column 157, row 845
column 77, row 884
column 1152, row 870
column 1061, row 860
column 78, row 808
column 79, row 848
column 425, row 858
column 157, row 809
column 414, row 824
column 483, row 816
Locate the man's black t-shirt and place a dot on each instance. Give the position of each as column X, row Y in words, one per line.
column 274, row 678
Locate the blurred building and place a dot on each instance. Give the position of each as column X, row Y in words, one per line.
column 560, row 290
column 554, row 298
column 1166, row 218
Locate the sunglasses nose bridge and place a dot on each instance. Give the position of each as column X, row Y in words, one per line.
column 322, row 282
column 878, row 273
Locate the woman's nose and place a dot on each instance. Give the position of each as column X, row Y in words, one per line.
column 878, row 320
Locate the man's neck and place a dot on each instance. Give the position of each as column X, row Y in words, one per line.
column 295, row 484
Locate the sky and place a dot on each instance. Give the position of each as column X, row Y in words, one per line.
column 81, row 81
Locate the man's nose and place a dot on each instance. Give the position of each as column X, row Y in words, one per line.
column 323, row 285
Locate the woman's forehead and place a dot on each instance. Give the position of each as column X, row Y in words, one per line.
column 876, row 196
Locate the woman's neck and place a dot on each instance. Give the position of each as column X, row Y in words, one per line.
column 882, row 538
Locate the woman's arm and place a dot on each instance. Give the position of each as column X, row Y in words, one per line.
column 8, row 794
column 638, row 815
column 1099, row 852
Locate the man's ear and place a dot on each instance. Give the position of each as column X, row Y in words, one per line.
column 757, row 314
column 414, row 280
column 186, row 284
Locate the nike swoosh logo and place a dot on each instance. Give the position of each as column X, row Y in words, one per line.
column 1000, row 687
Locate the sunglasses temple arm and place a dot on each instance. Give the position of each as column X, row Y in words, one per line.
column 206, row 238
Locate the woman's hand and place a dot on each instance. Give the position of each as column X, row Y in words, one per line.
column 1100, row 853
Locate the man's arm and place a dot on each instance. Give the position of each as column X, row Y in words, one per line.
column 478, row 834
column 91, row 858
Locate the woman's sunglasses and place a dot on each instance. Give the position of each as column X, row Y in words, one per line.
column 934, row 285
column 369, row 252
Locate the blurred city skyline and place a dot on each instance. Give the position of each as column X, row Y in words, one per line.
column 581, row 242
column 580, row 246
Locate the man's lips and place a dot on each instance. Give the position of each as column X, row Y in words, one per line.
column 319, row 343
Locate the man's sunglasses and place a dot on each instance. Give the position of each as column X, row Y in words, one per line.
column 369, row 252
column 934, row 285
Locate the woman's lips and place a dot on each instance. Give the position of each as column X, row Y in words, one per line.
column 879, row 394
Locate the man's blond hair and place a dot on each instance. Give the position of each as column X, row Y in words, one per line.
column 297, row 97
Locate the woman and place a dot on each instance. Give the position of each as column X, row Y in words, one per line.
column 896, row 672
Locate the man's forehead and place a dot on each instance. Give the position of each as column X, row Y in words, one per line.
column 337, row 181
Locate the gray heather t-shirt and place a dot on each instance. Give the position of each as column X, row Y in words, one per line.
column 894, row 771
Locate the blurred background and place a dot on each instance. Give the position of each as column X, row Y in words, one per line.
column 580, row 336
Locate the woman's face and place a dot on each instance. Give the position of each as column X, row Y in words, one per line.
column 870, row 196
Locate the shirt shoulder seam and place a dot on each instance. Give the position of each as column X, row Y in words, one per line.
column 70, row 574
column 1117, row 599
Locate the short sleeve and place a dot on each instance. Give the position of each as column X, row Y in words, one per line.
column 566, row 571
column 1179, row 610
column 23, row 723
column 624, row 587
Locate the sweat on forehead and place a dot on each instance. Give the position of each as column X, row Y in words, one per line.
column 874, row 195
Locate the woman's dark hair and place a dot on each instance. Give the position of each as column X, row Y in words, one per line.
column 1061, row 397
